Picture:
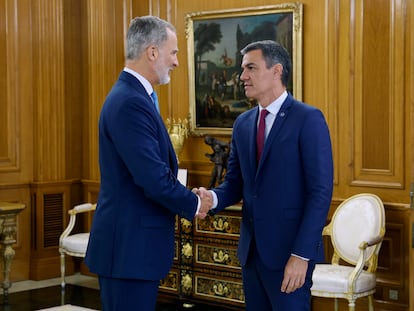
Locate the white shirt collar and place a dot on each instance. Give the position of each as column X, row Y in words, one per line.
column 274, row 107
column 148, row 87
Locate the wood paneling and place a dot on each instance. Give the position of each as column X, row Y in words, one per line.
column 58, row 60
column 377, row 62
column 73, row 92
column 15, row 76
column 105, row 29
column 15, row 122
column 8, row 112
column 50, row 202
column 48, row 90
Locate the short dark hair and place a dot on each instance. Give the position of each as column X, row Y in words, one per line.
column 273, row 53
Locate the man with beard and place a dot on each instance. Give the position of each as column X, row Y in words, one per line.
column 131, row 243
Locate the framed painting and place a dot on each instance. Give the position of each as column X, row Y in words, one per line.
column 214, row 41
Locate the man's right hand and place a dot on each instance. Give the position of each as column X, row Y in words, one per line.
column 206, row 201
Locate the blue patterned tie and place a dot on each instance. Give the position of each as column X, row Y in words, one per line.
column 155, row 99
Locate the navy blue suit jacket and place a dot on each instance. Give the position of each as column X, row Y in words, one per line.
column 286, row 197
column 132, row 234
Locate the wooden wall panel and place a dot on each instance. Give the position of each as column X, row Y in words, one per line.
column 50, row 202
column 48, row 89
column 7, row 158
column 16, row 122
column 15, row 70
column 378, row 93
column 73, row 90
column 105, row 29
column 393, row 263
column 330, row 85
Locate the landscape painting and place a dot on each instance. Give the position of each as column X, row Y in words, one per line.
column 214, row 42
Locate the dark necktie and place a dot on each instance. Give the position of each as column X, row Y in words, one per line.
column 155, row 99
column 261, row 133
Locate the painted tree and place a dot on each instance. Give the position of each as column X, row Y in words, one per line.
column 205, row 36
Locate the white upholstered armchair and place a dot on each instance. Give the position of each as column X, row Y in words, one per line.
column 73, row 244
column 356, row 230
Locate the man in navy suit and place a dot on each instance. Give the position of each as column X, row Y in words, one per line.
column 286, row 187
column 131, row 243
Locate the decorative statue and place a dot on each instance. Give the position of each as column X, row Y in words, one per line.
column 178, row 132
column 219, row 157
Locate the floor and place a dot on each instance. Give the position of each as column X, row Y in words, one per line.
column 80, row 290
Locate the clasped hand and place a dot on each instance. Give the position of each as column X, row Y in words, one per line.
column 206, row 199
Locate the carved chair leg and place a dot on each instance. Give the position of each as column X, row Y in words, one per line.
column 351, row 305
column 370, row 303
column 62, row 270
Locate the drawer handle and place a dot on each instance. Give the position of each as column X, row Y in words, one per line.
column 185, row 223
column 220, row 289
column 187, row 250
column 220, row 224
column 186, row 282
column 221, row 257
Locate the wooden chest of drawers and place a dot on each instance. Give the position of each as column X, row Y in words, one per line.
column 206, row 267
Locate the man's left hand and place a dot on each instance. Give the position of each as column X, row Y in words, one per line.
column 295, row 274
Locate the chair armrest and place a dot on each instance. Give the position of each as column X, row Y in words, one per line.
column 362, row 259
column 365, row 244
column 82, row 208
column 327, row 230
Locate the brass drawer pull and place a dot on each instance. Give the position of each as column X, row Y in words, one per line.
column 220, row 257
column 187, row 250
column 220, row 224
column 220, row 289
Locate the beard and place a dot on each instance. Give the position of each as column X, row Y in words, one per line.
column 165, row 79
column 163, row 74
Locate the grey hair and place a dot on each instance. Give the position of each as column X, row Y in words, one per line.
column 273, row 53
column 144, row 31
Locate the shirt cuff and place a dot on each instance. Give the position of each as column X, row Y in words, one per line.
column 303, row 258
column 198, row 204
column 215, row 199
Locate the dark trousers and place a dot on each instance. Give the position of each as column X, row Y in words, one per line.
column 262, row 287
column 128, row 294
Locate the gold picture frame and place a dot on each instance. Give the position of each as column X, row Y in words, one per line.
column 214, row 41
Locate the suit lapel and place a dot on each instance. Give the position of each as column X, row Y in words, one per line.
column 136, row 84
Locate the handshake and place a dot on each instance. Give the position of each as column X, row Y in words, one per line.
column 206, row 199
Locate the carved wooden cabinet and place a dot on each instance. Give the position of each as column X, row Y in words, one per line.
column 205, row 266
column 217, row 271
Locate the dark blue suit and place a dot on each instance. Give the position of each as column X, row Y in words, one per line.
column 132, row 235
column 287, row 196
